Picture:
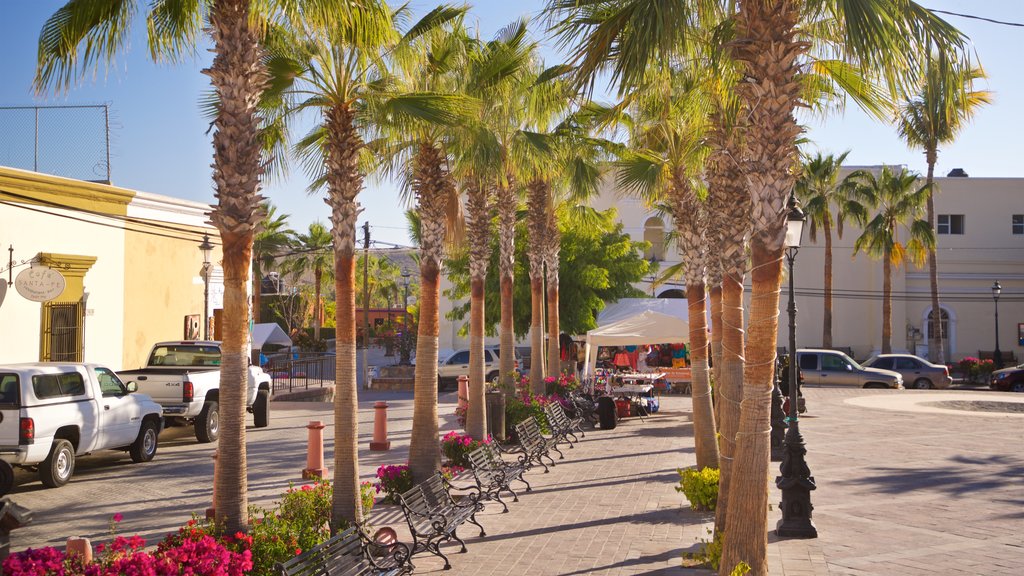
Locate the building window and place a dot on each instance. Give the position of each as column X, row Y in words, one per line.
column 654, row 232
column 951, row 224
column 62, row 331
column 1018, row 224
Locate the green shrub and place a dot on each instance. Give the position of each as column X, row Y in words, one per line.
column 710, row 553
column 700, row 488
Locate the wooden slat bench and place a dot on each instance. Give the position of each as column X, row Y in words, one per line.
column 434, row 516
column 493, row 475
column 349, row 553
column 535, row 445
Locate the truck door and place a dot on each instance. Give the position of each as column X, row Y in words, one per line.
column 119, row 415
column 10, row 409
column 835, row 370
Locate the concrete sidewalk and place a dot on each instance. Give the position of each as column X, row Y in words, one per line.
column 901, row 490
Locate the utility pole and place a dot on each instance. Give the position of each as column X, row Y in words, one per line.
column 366, row 303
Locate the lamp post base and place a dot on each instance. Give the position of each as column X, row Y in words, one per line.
column 796, row 484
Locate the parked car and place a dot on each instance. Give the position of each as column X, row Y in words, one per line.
column 52, row 412
column 1008, row 379
column 184, row 378
column 917, row 372
column 456, row 364
column 833, row 368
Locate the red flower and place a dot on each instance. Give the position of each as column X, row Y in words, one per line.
column 298, row 551
column 117, row 517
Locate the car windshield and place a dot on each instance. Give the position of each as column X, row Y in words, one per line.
column 185, row 355
column 851, row 361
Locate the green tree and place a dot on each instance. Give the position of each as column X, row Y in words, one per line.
column 312, row 255
column 942, row 106
column 827, row 202
column 272, row 240
column 898, row 199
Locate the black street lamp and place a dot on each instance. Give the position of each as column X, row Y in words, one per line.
column 207, row 249
column 795, row 481
column 997, row 359
column 404, row 360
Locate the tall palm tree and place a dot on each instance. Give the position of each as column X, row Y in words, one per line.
column 80, row 36
column 898, row 199
column 268, row 244
column 772, row 42
column 826, row 200
column 943, row 104
column 313, row 255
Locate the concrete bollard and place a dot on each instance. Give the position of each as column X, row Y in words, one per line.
column 315, row 456
column 79, row 547
column 463, row 390
column 380, row 442
column 211, row 512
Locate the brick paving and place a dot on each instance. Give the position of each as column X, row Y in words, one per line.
column 902, row 489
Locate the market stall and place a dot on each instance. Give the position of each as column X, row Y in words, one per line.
column 644, row 327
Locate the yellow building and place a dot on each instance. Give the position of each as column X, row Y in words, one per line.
column 130, row 264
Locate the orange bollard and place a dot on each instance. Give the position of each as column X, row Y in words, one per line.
column 463, row 390
column 315, row 457
column 211, row 512
column 79, row 547
column 380, row 441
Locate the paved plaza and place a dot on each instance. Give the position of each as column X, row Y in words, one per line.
column 906, row 485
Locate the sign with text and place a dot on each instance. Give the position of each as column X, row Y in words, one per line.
column 39, row 283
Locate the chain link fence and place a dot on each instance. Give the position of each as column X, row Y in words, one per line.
column 69, row 141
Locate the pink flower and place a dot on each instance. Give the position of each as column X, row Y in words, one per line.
column 117, row 517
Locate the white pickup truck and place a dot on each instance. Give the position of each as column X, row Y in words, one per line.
column 184, row 378
column 52, row 412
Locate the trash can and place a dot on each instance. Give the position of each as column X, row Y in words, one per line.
column 495, row 403
column 606, row 412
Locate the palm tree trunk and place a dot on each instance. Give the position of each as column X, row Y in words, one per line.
column 703, row 411
column 238, row 78
column 730, row 388
column 506, row 201
column 716, row 351
column 826, row 324
column 344, row 182
column 554, row 349
column 476, row 418
column 318, row 278
column 936, row 349
column 887, row 302
column 746, row 524
column 432, row 186
column 536, row 334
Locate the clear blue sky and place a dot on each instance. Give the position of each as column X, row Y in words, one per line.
column 159, row 141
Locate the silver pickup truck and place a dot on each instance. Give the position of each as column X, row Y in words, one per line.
column 184, row 378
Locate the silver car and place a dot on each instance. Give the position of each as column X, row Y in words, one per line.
column 917, row 372
column 833, row 368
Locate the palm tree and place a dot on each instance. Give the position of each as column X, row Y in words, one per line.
column 80, row 36
column 945, row 101
column 899, row 201
column 273, row 237
column 313, row 255
column 826, row 199
column 772, row 43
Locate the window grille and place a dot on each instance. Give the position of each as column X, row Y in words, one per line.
column 62, row 332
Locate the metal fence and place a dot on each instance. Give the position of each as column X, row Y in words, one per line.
column 302, row 373
column 69, row 141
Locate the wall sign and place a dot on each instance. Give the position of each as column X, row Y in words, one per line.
column 39, row 283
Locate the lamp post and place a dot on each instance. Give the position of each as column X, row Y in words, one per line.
column 207, row 249
column 795, row 481
column 997, row 359
column 404, row 360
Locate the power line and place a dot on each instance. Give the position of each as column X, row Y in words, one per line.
column 971, row 16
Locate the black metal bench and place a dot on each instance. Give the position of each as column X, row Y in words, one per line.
column 493, row 475
column 584, row 406
column 434, row 516
column 535, row 445
column 349, row 553
column 562, row 425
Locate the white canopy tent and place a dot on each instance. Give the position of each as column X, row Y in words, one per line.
column 626, row 307
column 645, row 327
column 270, row 333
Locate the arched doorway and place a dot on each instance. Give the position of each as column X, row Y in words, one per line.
column 673, row 293
column 947, row 322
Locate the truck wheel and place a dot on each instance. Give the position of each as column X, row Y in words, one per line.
column 261, row 409
column 208, row 422
column 6, row 478
column 144, row 447
column 492, row 377
column 58, row 467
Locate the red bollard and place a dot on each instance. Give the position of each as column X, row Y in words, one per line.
column 80, row 547
column 315, row 457
column 380, row 441
column 211, row 512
